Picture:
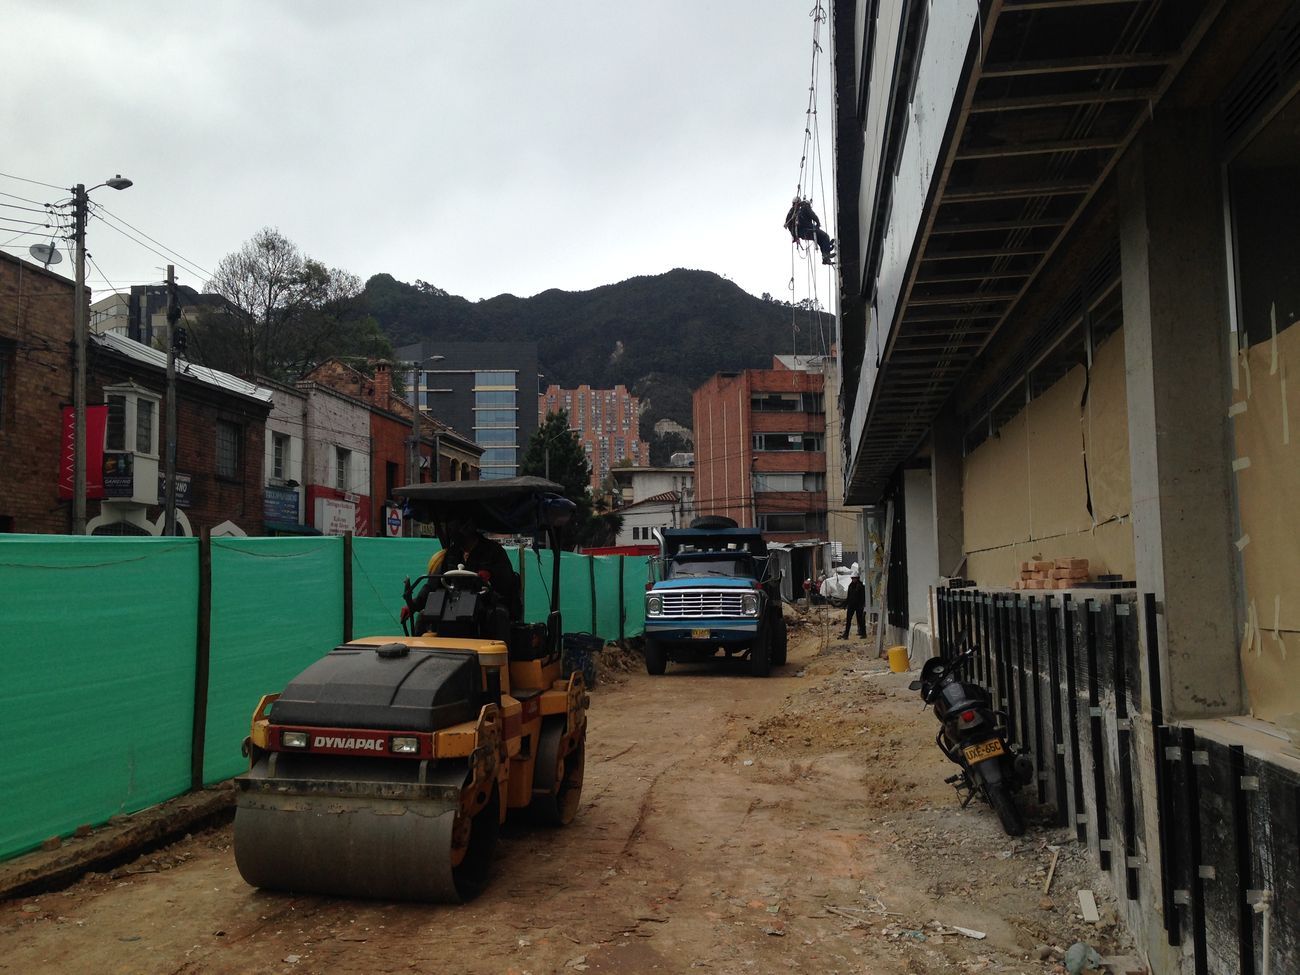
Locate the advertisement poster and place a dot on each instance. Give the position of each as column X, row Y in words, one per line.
column 96, row 424
column 335, row 517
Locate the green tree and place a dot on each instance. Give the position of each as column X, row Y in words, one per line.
column 283, row 312
column 569, row 468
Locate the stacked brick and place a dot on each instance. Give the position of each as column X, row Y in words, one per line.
column 1045, row 574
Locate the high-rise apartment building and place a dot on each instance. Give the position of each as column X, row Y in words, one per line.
column 605, row 420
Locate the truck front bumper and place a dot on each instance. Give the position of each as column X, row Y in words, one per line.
column 711, row 630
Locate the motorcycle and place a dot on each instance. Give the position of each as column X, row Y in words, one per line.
column 973, row 735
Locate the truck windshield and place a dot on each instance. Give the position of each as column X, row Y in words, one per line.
column 740, row 566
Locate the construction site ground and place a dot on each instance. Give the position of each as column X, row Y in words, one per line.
column 728, row 825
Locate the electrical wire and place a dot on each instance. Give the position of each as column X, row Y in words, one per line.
column 24, row 179
column 95, row 208
column 105, row 213
column 15, row 196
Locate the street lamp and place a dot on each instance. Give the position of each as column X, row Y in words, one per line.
column 80, row 204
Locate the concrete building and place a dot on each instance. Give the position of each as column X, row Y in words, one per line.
column 633, row 485
column 1066, row 308
column 141, row 312
column 606, row 422
column 641, row 518
column 486, row 389
column 760, row 449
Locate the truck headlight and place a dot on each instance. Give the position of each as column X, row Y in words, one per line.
column 406, row 746
column 293, row 739
column 654, row 605
column 749, row 604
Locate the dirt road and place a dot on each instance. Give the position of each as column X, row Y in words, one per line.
column 729, row 824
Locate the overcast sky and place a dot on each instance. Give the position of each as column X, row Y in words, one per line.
column 485, row 146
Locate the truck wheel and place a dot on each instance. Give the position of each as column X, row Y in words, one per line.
column 780, row 642
column 656, row 657
column 760, row 654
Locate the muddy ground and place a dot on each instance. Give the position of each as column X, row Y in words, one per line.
column 729, row 825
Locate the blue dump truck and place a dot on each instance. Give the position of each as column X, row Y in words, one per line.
column 714, row 589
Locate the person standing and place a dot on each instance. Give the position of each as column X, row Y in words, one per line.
column 855, row 603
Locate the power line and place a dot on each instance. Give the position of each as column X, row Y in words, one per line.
column 14, row 196
column 106, row 212
column 165, row 257
column 24, row 179
column 14, row 206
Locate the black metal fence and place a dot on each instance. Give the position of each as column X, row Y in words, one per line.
column 1200, row 837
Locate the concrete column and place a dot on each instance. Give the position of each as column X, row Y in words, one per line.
column 922, row 554
column 1176, row 342
column 945, row 480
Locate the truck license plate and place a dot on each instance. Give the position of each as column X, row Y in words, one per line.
column 699, row 634
column 983, row 751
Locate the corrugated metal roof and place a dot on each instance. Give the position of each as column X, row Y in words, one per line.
column 153, row 357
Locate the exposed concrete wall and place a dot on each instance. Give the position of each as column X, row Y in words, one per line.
column 922, row 553
column 1178, row 386
column 945, row 474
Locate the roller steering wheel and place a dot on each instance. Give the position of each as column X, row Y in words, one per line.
column 463, row 580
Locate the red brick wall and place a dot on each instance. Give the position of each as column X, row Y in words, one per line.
column 388, row 444
column 213, row 499
column 35, row 337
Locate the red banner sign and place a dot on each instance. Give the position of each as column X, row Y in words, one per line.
column 96, row 425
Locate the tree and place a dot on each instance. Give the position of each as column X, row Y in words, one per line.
column 569, row 468
column 282, row 312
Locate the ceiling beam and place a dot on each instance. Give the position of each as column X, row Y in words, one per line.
column 1036, row 148
column 981, row 254
column 1094, row 62
column 1061, row 100
column 1015, row 191
column 967, row 299
column 1051, row 223
column 972, row 276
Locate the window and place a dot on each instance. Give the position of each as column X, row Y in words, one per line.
column 498, row 378
column 279, row 455
column 342, row 461
column 494, row 399
column 813, row 521
column 115, row 435
column 144, row 426
column 228, row 449
column 495, row 418
column 505, row 436
column 789, row 441
column 132, row 420
column 790, row 482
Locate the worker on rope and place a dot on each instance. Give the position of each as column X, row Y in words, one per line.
column 803, row 224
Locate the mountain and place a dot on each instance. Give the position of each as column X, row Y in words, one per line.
column 660, row 335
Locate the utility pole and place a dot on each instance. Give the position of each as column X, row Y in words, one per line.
column 79, row 204
column 173, row 316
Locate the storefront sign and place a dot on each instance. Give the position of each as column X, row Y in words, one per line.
column 119, row 475
column 280, row 504
column 182, row 489
column 335, row 517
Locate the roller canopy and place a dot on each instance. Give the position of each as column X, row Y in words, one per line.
column 512, row 505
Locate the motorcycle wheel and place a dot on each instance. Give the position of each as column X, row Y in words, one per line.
column 1004, row 804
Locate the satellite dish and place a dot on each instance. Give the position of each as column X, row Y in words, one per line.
column 47, row 254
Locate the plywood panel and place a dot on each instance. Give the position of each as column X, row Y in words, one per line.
column 996, row 489
column 1106, row 431
column 1268, row 494
column 1108, row 549
column 1058, row 494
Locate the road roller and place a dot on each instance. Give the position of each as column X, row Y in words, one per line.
column 385, row 769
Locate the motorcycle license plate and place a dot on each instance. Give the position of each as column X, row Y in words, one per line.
column 983, row 751
column 699, row 634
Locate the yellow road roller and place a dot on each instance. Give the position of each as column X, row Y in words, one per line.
column 385, row 769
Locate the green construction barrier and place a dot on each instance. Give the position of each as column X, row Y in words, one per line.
column 635, row 576
column 609, row 598
column 277, row 606
column 379, row 565
column 96, row 679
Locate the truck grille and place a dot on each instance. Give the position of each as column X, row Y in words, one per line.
column 702, row 602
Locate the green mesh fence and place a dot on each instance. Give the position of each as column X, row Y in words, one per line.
column 635, row 576
column 378, row 567
column 97, row 666
column 102, row 632
column 277, row 605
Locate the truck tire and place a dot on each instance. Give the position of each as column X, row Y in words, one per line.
column 760, row 654
column 780, row 641
column 656, row 657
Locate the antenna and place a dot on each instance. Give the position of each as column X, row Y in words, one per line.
column 47, row 254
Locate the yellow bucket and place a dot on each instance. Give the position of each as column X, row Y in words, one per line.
column 898, row 661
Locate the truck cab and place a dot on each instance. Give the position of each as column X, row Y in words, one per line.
column 713, row 590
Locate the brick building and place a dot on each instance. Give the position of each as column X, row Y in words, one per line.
column 220, row 429
column 606, row 422
column 760, row 450
column 35, row 381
